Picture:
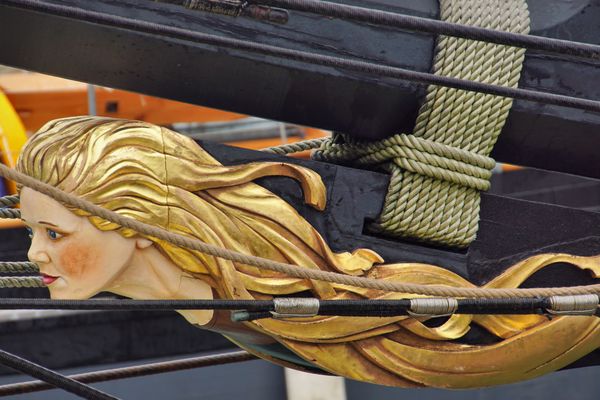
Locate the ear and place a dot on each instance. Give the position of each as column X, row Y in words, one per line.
column 142, row 243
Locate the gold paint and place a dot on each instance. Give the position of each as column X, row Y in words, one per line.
column 164, row 179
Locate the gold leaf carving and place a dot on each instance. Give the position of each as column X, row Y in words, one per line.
column 159, row 177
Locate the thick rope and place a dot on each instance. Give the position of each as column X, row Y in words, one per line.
column 10, row 213
column 438, row 171
column 9, row 201
column 288, row 269
column 414, row 154
column 15, row 267
column 295, row 147
column 21, row 282
column 134, row 371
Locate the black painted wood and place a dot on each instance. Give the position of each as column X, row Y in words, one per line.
column 546, row 137
column 510, row 231
column 95, row 338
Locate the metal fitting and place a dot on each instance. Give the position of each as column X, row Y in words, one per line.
column 295, row 307
column 585, row 304
column 432, row 307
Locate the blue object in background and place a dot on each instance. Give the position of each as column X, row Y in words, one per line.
column 3, row 191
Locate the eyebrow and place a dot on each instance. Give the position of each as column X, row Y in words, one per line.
column 48, row 223
column 42, row 222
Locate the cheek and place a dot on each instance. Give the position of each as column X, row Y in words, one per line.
column 75, row 259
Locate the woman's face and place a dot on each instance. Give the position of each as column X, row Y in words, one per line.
column 76, row 259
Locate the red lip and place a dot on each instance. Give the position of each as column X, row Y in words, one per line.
column 48, row 279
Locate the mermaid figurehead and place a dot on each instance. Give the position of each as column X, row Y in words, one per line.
column 161, row 178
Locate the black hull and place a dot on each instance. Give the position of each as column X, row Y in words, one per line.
column 542, row 136
column 510, row 231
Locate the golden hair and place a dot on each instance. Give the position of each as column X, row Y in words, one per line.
column 162, row 178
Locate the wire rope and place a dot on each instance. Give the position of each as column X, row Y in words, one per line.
column 307, row 57
column 52, row 377
column 439, row 27
column 133, row 371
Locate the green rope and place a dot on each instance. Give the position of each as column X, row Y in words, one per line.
column 438, row 171
column 416, row 155
column 295, row 147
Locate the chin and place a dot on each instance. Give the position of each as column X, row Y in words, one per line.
column 61, row 294
column 61, row 289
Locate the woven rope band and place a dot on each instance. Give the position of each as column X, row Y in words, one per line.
column 438, row 171
column 414, row 154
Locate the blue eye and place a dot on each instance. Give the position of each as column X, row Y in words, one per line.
column 29, row 232
column 53, row 235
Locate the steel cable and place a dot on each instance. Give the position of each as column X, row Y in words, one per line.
column 307, row 57
column 427, row 25
column 129, row 305
column 362, row 307
column 52, row 378
column 133, row 371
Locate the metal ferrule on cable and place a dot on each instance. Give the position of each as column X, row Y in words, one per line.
column 586, row 304
column 432, row 307
column 295, row 307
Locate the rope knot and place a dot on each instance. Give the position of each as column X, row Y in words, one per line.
column 414, row 154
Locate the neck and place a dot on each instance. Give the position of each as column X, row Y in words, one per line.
column 152, row 276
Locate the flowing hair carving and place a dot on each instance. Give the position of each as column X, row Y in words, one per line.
column 159, row 177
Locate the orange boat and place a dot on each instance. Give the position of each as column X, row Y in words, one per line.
column 29, row 100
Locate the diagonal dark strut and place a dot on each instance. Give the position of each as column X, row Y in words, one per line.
column 53, row 378
column 134, row 371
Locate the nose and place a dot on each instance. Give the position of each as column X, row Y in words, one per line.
column 37, row 253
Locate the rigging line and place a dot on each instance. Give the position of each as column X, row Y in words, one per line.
column 134, row 371
column 129, row 305
column 9, row 201
column 52, row 377
column 358, row 308
column 307, row 57
column 420, row 24
column 10, row 213
column 288, row 269
column 21, row 282
column 15, row 267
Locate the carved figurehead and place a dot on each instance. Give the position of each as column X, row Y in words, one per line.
column 161, row 178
